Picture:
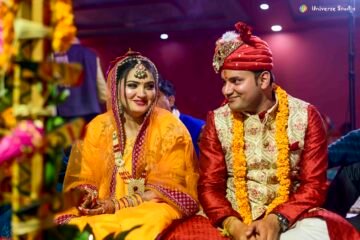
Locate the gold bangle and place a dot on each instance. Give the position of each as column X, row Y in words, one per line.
column 122, row 203
column 125, row 201
column 224, row 232
column 226, row 224
column 138, row 199
column 113, row 201
column 131, row 200
column 116, row 204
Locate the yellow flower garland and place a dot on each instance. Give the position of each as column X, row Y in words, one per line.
column 8, row 12
column 64, row 30
column 283, row 165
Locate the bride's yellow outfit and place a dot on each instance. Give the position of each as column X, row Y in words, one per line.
column 164, row 156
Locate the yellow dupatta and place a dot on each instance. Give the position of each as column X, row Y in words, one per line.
column 163, row 150
column 171, row 168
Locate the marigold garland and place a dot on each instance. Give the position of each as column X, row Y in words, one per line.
column 283, row 164
column 64, row 30
column 8, row 12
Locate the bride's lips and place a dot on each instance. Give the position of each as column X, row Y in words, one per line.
column 140, row 102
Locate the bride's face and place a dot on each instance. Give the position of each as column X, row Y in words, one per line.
column 137, row 94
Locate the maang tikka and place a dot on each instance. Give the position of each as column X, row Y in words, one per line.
column 140, row 70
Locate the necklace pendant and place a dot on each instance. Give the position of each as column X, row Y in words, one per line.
column 119, row 163
column 136, row 185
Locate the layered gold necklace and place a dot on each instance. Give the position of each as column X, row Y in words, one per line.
column 135, row 185
column 283, row 162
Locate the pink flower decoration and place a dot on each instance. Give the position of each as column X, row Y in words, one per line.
column 26, row 136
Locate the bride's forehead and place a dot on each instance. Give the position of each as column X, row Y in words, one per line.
column 133, row 79
column 141, row 81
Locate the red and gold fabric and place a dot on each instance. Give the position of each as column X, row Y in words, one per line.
column 240, row 50
column 308, row 161
column 261, row 152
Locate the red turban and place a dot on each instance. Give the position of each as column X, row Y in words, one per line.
column 240, row 50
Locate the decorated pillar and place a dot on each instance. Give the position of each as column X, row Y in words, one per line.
column 31, row 145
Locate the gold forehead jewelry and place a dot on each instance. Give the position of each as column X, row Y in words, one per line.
column 140, row 71
column 224, row 49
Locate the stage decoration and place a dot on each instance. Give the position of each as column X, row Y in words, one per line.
column 32, row 137
column 64, row 30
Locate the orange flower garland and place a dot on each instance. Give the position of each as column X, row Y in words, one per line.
column 282, row 143
column 283, row 165
column 64, row 30
column 7, row 15
column 240, row 168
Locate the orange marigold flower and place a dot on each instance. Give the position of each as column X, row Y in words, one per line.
column 283, row 164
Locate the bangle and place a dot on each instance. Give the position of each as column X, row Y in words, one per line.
column 134, row 200
column 224, row 232
column 122, row 203
column 116, row 204
column 226, row 226
column 126, row 201
column 130, row 200
column 138, row 198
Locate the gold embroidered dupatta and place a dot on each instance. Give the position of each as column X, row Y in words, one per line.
column 171, row 171
column 162, row 150
column 167, row 156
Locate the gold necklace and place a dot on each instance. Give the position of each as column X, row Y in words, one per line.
column 135, row 185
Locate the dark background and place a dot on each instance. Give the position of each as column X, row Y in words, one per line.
column 310, row 54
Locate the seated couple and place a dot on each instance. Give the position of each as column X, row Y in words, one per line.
column 262, row 166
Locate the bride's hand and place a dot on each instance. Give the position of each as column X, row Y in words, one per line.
column 84, row 197
column 102, row 207
column 151, row 196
